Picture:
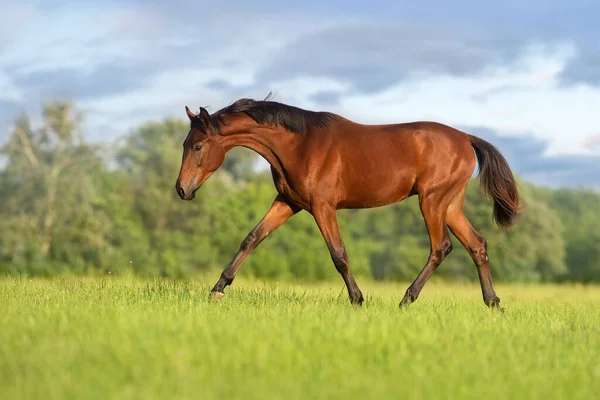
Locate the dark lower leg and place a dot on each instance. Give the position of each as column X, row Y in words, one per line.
column 435, row 259
column 480, row 257
column 441, row 246
column 326, row 219
column 279, row 212
column 341, row 264
column 487, row 289
column 476, row 245
column 228, row 274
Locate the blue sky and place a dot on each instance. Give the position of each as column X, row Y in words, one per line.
column 522, row 74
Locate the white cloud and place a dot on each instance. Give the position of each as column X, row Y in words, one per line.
column 300, row 89
column 521, row 98
column 524, row 97
column 166, row 94
column 58, row 39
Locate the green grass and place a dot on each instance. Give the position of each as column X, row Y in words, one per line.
column 122, row 338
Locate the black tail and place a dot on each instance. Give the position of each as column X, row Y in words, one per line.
column 497, row 180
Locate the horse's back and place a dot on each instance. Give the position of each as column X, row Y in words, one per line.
column 383, row 164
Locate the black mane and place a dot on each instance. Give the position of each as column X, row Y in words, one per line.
column 267, row 112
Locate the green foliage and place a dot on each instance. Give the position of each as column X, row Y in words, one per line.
column 69, row 207
column 51, row 219
column 580, row 213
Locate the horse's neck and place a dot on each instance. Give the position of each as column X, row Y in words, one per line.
column 273, row 146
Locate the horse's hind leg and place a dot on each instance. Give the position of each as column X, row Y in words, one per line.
column 476, row 246
column 433, row 208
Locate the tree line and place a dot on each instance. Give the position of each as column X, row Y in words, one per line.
column 68, row 206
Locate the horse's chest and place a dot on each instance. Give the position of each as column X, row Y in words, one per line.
column 283, row 188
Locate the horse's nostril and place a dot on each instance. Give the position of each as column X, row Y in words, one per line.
column 181, row 192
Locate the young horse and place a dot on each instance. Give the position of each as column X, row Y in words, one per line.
column 322, row 162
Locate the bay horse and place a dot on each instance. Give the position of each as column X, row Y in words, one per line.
column 322, row 162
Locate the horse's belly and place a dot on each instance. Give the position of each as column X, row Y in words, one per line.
column 379, row 189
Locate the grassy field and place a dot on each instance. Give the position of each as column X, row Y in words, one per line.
column 123, row 338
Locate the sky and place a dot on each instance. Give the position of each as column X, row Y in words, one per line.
column 523, row 74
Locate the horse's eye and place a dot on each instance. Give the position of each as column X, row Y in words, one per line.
column 197, row 147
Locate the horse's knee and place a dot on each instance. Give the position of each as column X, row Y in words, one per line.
column 446, row 247
column 480, row 253
column 441, row 251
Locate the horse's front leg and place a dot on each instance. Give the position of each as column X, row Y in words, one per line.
column 326, row 219
column 281, row 210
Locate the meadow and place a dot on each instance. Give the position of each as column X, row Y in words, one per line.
column 130, row 338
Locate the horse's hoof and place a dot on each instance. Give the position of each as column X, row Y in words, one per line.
column 406, row 302
column 217, row 296
column 494, row 304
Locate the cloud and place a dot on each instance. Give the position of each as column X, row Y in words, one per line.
column 75, row 83
column 134, row 59
column 530, row 75
column 592, row 143
column 372, row 56
column 584, row 68
column 524, row 96
column 11, row 17
column 218, row 84
column 327, row 97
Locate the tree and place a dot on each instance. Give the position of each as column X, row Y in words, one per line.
column 580, row 212
column 48, row 194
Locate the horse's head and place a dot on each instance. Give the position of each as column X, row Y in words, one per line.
column 202, row 154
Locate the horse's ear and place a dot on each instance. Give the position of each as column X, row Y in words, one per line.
column 190, row 114
column 204, row 117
